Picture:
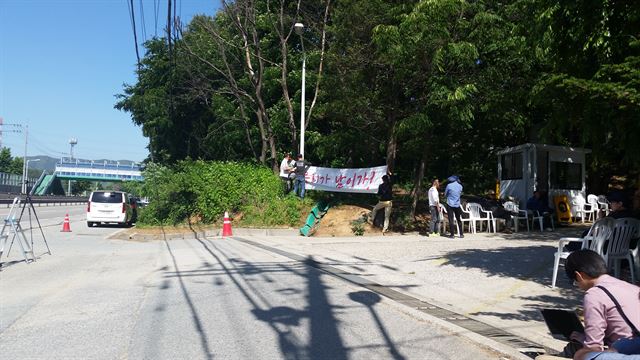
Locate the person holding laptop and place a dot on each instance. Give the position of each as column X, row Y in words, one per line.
column 611, row 310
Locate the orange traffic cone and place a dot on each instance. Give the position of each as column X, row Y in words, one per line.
column 226, row 226
column 65, row 224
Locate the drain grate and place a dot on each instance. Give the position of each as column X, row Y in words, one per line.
column 524, row 346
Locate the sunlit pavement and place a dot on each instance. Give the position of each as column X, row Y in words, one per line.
column 98, row 298
column 499, row 279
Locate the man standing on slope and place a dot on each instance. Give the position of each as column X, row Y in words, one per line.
column 286, row 167
column 300, row 168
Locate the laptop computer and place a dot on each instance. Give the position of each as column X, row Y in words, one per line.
column 562, row 323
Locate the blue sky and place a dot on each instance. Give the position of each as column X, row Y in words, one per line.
column 62, row 62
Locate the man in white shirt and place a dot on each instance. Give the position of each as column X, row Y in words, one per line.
column 286, row 167
column 434, row 206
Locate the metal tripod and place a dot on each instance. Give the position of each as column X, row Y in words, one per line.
column 15, row 229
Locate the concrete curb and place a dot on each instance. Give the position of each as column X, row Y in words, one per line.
column 206, row 233
column 483, row 341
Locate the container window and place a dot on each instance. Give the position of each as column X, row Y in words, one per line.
column 511, row 166
column 566, row 175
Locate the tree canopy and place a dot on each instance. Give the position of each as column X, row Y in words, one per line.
column 429, row 87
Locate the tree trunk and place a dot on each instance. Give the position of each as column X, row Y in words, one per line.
column 284, row 52
column 323, row 42
column 415, row 193
column 392, row 146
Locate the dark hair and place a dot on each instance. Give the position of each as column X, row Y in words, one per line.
column 385, row 178
column 618, row 196
column 586, row 261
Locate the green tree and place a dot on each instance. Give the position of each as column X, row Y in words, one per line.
column 5, row 160
column 79, row 187
column 17, row 165
column 463, row 76
column 591, row 89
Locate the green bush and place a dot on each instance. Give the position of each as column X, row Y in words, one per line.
column 203, row 191
column 357, row 226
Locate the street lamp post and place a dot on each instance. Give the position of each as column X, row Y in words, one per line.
column 26, row 171
column 299, row 27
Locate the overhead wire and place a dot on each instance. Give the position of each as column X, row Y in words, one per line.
column 169, row 26
column 144, row 25
column 156, row 11
column 176, row 22
column 132, row 17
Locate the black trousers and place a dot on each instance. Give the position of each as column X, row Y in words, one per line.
column 457, row 212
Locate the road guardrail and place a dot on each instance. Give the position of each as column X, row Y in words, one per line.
column 46, row 200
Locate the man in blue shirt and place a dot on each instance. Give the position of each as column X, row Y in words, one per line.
column 537, row 203
column 452, row 192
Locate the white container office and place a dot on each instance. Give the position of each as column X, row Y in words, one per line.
column 553, row 170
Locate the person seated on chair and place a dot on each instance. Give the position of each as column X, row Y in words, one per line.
column 604, row 322
column 538, row 205
column 618, row 202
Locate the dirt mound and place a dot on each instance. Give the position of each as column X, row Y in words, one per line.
column 337, row 221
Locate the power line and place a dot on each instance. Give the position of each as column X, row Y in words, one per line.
column 132, row 17
column 169, row 19
column 156, row 11
column 144, row 25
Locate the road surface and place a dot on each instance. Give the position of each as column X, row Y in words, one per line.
column 96, row 298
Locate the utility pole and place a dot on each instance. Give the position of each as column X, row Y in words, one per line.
column 72, row 142
column 24, row 160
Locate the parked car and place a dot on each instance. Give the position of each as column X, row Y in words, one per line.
column 109, row 207
column 142, row 202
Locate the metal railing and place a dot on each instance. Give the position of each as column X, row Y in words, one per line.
column 48, row 200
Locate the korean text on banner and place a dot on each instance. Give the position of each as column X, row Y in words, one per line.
column 363, row 180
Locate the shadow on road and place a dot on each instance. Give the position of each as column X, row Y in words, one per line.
column 204, row 343
column 529, row 263
column 533, row 263
column 325, row 341
column 370, row 299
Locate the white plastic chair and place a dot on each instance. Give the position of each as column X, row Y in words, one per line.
column 480, row 215
column 636, row 252
column 516, row 214
column 592, row 201
column 603, row 204
column 618, row 248
column 535, row 215
column 468, row 219
column 582, row 208
column 600, row 231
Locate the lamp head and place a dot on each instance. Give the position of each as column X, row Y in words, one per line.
column 299, row 28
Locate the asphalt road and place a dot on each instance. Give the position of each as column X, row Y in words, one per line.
column 96, row 298
column 48, row 215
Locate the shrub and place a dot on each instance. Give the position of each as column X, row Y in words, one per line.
column 357, row 226
column 205, row 190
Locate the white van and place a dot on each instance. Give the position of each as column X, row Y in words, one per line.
column 109, row 207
